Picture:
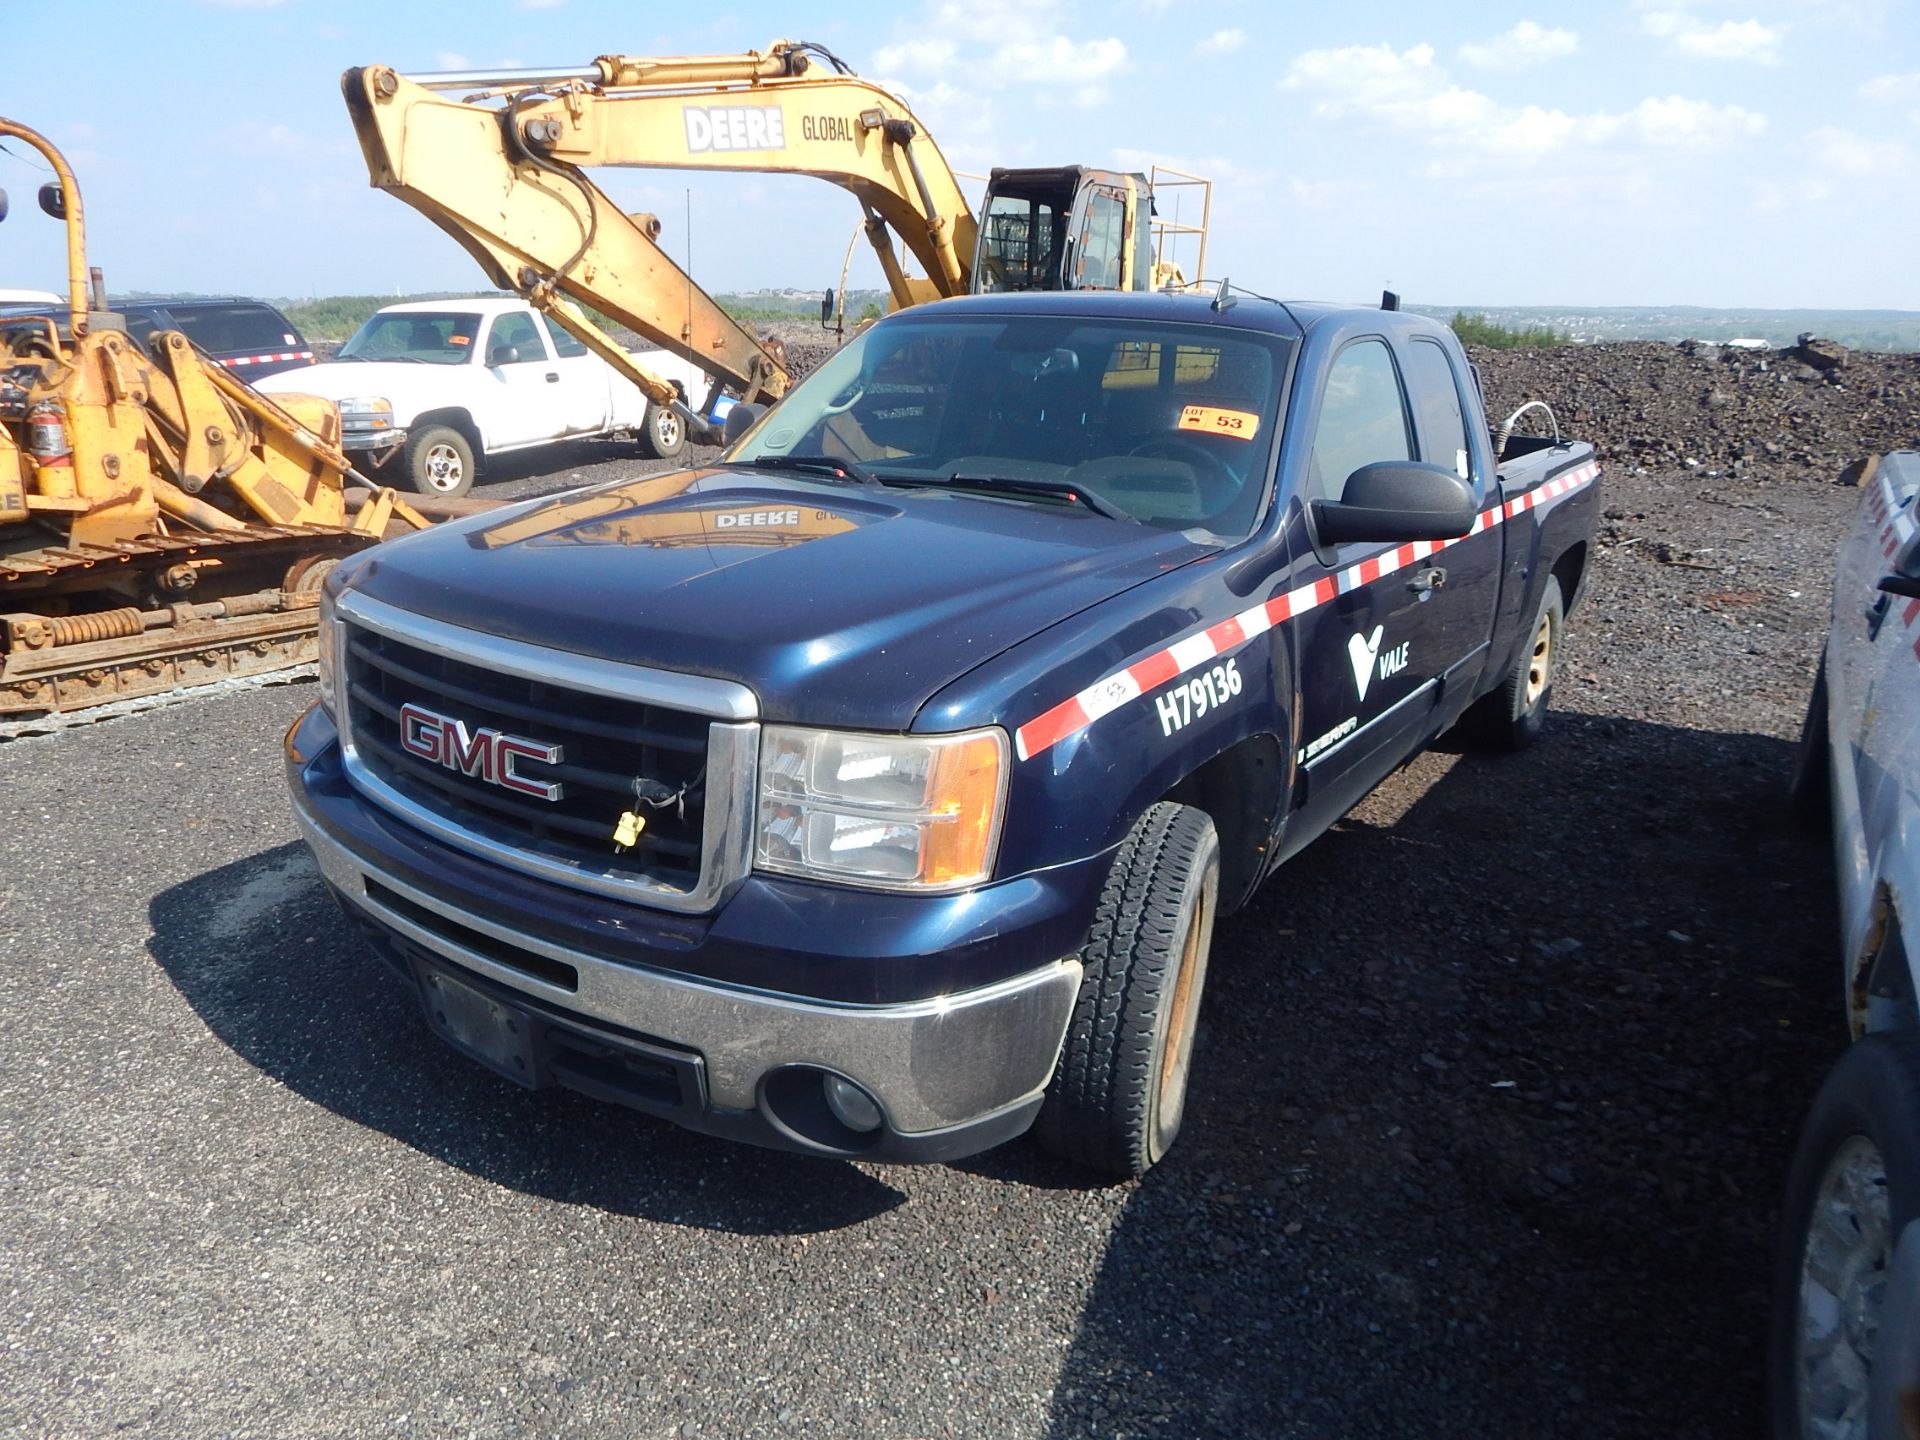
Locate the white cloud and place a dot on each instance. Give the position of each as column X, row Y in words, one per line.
column 451, row 60
column 1218, row 168
column 1362, row 76
column 1892, row 87
column 1680, row 124
column 282, row 143
column 1006, row 44
column 1059, row 61
column 1693, row 38
column 1844, row 153
column 1527, row 43
column 1405, row 92
column 911, row 55
column 1221, row 42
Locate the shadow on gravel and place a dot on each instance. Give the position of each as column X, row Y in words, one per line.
column 264, row 957
column 1488, row 1123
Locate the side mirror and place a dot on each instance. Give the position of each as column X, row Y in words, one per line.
column 1397, row 500
column 3, row 204
column 826, row 308
column 53, row 200
column 740, row 419
column 503, row 355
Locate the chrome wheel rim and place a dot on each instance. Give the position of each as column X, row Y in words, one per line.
column 666, row 428
column 444, row 468
column 1843, row 1276
column 1540, row 662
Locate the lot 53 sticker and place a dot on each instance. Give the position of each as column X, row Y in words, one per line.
column 1209, row 420
column 1188, row 701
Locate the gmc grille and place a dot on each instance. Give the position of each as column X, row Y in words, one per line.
column 607, row 744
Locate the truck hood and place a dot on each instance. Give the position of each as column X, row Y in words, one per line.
column 336, row 380
column 837, row 604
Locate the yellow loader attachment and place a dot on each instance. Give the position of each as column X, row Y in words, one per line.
column 161, row 524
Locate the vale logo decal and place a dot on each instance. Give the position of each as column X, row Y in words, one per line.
column 1361, row 649
column 1364, row 652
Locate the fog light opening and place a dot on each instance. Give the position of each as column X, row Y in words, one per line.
column 850, row 1105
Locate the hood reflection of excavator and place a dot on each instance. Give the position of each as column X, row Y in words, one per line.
column 621, row 516
column 500, row 168
column 161, row 524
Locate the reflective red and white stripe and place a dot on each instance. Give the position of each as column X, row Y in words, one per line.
column 233, row 360
column 1896, row 525
column 1896, row 528
column 1191, row 651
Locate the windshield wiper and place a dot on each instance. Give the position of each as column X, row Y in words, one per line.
column 1064, row 489
column 812, row 464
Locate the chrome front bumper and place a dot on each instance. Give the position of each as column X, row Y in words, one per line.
column 934, row 1065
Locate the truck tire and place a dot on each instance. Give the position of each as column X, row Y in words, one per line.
column 1853, row 1188
column 438, row 461
column 1809, row 788
column 1119, row 1091
column 663, row 434
column 1511, row 717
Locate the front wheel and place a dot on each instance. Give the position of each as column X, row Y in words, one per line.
column 1853, row 1189
column 1513, row 715
column 1119, row 1092
column 663, row 434
column 438, row 461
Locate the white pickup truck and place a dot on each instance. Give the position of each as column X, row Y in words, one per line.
column 436, row 387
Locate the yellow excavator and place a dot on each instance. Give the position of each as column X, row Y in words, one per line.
column 497, row 159
column 161, row 524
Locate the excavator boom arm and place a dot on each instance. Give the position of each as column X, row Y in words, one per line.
column 545, row 232
column 502, row 171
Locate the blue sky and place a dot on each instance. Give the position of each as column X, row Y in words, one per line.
column 1712, row 152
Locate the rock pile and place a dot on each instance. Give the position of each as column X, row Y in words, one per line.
column 1713, row 408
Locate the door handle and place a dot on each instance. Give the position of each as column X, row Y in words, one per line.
column 1428, row 580
column 552, row 378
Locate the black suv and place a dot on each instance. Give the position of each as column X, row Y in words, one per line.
column 248, row 337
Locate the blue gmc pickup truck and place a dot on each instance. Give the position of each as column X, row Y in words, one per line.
column 874, row 790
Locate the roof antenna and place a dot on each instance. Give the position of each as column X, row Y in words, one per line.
column 1389, row 300
column 1222, row 300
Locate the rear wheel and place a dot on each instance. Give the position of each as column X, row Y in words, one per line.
column 1513, row 715
column 663, row 434
column 1119, row 1093
column 438, row 461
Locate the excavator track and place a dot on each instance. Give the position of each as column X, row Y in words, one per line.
column 249, row 607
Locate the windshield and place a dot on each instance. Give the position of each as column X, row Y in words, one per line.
column 432, row 337
column 222, row 328
column 1171, row 425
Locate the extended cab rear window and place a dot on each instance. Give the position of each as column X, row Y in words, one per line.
column 225, row 329
column 1172, row 425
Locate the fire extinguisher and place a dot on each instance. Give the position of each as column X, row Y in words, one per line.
column 47, row 438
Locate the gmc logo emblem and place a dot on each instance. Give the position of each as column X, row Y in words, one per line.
column 483, row 754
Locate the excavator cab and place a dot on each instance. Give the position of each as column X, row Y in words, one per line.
column 1067, row 227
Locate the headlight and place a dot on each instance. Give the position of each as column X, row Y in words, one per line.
column 366, row 413
column 327, row 666
column 895, row 812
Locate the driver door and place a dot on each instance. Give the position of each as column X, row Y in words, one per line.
column 1376, row 661
column 529, row 401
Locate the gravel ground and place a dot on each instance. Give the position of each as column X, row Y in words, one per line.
column 1493, row 1104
